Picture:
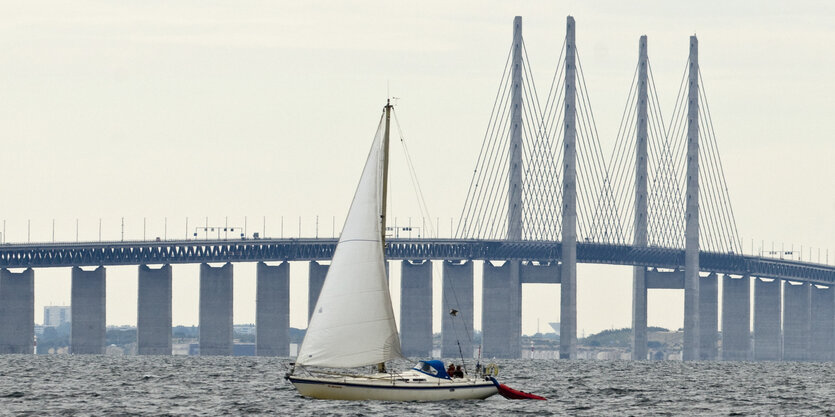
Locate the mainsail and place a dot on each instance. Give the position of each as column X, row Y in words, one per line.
column 353, row 322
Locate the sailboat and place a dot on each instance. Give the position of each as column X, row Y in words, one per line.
column 353, row 322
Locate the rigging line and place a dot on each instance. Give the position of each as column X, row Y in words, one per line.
column 495, row 140
column 555, row 125
column 708, row 228
column 660, row 179
column 501, row 83
column 681, row 93
column 413, row 174
column 622, row 169
column 551, row 89
column 555, row 107
column 678, row 109
column 659, row 147
column 589, row 176
column 588, row 156
column 606, row 216
column 494, row 230
column 554, row 110
column 497, row 156
column 625, row 160
column 540, row 151
column 535, row 210
column 558, row 143
column 587, row 187
column 713, row 182
column 530, row 141
column 654, row 91
column 528, row 73
column 536, row 137
column 660, row 199
column 626, row 189
column 669, row 166
column 597, row 154
column 487, row 167
column 529, row 197
column 586, row 184
column 679, row 145
column 541, row 137
column 711, row 189
column 719, row 158
column 620, row 149
column 497, row 166
column 543, row 173
column 582, row 213
column 555, row 144
column 626, row 106
column 457, row 304
column 486, row 214
column 580, row 166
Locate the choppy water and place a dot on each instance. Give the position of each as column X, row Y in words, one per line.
column 104, row 385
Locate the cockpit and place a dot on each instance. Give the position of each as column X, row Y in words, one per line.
column 432, row 368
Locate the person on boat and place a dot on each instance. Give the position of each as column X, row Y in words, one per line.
column 451, row 370
column 458, row 372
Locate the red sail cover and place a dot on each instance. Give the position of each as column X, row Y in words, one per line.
column 512, row 394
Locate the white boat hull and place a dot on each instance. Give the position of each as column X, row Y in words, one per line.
column 327, row 388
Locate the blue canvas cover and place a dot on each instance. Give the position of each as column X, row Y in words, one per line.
column 432, row 368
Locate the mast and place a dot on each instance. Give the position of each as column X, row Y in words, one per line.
column 381, row 367
column 385, row 173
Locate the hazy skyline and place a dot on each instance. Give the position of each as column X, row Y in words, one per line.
column 194, row 109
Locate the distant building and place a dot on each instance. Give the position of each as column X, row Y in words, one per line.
column 556, row 327
column 56, row 315
column 243, row 349
column 245, row 329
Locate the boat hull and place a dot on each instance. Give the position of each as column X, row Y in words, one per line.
column 332, row 389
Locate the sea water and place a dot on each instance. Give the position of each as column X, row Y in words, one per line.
column 179, row 385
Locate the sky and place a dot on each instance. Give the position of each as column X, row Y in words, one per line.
column 259, row 114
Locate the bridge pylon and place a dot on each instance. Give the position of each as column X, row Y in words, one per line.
column 691, row 233
column 639, row 273
column 568, row 290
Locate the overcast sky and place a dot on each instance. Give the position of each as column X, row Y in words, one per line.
column 247, row 110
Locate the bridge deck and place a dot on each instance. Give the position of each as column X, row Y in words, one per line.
column 198, row 251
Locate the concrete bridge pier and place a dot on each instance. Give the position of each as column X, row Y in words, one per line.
column 457, row 294
column 272, row 309
column 17, row 311
column 708, row 317
column 767, row 309
column 823, row 324
column 501, row 314
column 153, row 319
column 639, row 313
column 797, row 320
column 416, row 308
column 316, row 279
column 736, row 318
column 216, row 331
column 87, row 298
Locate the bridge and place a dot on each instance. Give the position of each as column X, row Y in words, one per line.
column 276, row 250
column 542, row 198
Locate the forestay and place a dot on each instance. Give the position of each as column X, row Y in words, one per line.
column 353, row 322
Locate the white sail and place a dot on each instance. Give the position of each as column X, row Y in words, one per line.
column 353, row 322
